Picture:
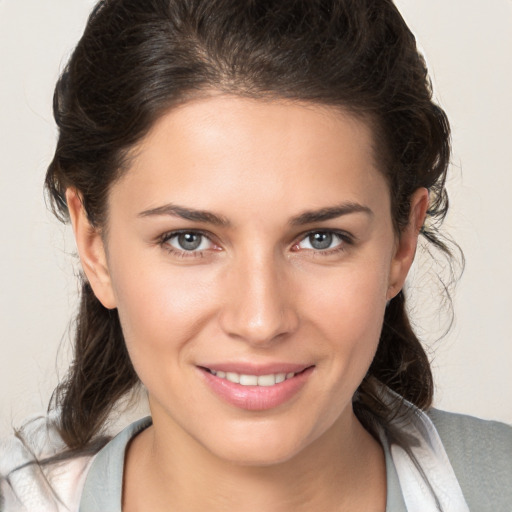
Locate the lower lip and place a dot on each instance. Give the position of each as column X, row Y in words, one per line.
column 256, row 398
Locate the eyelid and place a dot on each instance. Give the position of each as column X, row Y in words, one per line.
column 163, row 240
column 345, row 239
column 176, row 232
column 344, row 235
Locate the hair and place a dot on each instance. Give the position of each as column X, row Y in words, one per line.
column 137, row 59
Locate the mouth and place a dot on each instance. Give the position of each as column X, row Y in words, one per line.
column 258, row 389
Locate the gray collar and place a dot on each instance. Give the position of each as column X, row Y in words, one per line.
column 104, row 483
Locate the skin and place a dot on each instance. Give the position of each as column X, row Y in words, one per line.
column 256, row 292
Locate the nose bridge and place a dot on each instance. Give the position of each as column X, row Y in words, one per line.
column 259, row 306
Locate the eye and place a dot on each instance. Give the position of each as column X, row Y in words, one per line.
column 188, row 241
column 321, row 241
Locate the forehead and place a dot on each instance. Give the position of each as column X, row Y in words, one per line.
column 251, row 152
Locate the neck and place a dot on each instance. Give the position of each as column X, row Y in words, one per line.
column 331, row 473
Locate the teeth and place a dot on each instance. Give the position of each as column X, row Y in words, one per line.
column 233, row 377
column 254, row 380
column 266, row 380
column 248, row 380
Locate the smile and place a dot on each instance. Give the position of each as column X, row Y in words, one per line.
column 253, row 380
column 267, row 390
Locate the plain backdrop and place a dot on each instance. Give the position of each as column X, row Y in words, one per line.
column 468, row 47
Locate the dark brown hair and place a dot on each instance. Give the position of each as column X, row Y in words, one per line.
column 139, row 58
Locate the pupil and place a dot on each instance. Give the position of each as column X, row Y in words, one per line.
column 321, row 240
column 189, row 241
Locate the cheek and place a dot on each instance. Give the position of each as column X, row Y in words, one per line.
column 353, row 297
column 348, row 309
column 161, row 307
column 344, row 314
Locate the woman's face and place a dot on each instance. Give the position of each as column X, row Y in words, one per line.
column 250, row 241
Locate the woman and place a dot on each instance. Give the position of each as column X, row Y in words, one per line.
column 247, row 183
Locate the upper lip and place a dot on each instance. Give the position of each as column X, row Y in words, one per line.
column 245, row 368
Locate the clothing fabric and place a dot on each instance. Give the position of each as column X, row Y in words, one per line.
column 439, row 461
column 27, row 483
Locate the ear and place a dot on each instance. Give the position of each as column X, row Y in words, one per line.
column 407, row 242
column 91, row 250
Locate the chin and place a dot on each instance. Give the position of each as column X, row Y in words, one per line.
column 264, row 445
column 259, row 455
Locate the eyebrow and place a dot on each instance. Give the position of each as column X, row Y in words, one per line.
column 307, row 217
column 187, row 214
column 329, row 213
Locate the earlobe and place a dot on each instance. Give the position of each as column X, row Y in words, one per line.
column 407, row 242
column 91, row 250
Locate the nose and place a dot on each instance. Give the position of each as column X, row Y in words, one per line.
column 259, row 303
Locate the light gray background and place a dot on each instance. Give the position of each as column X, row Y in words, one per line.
column 468, row 46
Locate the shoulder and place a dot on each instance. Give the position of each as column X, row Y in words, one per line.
column 480, row 452
column 35, row 473
column 469, row 437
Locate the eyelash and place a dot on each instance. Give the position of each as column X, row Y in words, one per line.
column 166, row 237
column 345, row 239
